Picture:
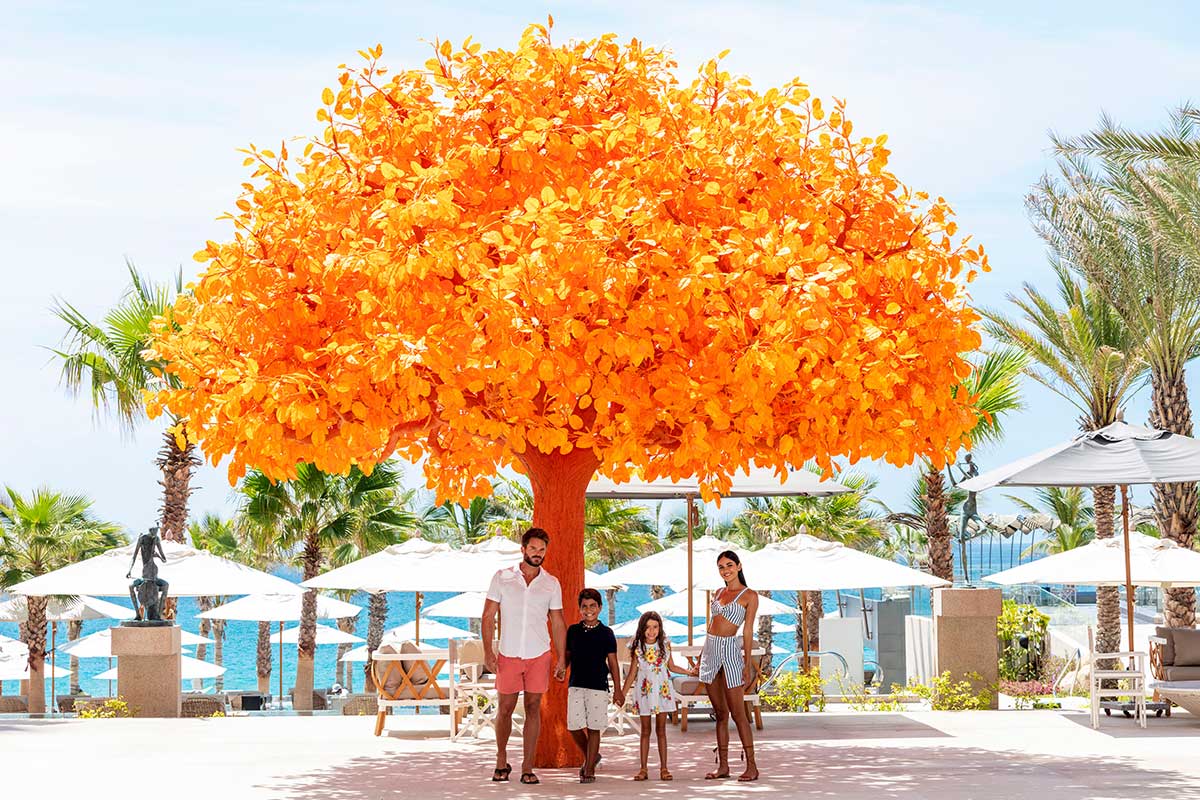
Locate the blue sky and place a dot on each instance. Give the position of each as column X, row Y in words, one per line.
column 120, row 123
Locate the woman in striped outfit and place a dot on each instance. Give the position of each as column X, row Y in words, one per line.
column 725, row 666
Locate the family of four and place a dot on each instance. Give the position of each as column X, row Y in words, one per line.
column 525, row 597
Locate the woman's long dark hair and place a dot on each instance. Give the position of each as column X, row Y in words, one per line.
column 732, row 556
column 639, row 638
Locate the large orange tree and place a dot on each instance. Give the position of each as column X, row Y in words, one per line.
column 561, row 260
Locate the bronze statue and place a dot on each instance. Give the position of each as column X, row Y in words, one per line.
column 970, row 508
column 149, row 592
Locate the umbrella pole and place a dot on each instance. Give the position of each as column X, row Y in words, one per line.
column 417, row 597
column 1128, row 570
column 53, row 653
column 691, row 621
column 281, row 665
column 804, row 627
column 110, row 679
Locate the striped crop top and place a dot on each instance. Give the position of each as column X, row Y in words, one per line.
column 732, row 611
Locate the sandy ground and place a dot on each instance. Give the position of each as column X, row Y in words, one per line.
column 1044, row 755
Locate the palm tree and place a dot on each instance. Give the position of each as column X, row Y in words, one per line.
column 841, row 518
column 40, row 533
column 109, row 359
column 220, row 538
column 614, row 533
column 1131, row 227
column 995, row 381
column 311, row 516
column 904, row 532
column 1081, row 349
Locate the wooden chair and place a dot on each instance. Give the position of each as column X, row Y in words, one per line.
column 408, row 677
column 474, row 700
column 1135, row 680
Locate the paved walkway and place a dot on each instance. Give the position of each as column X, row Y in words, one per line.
column 1042, row 755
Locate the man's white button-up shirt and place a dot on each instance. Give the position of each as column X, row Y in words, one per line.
column 524, row 609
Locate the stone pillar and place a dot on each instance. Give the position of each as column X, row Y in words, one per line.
column 148, row 670
column 964, row 630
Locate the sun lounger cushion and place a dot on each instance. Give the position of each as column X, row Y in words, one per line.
column 688, row 685
column 1174, row 674
column 1187, row 648
column 1168, row 653
column 418, row 674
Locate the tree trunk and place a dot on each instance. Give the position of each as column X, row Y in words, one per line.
column 306, row 647
column 559, row 484
column 74, row 630
column 262, row 661
column 816, row 610
column 1175, row 503
column 1108, row 598
column 344, row 676
column 33, row 633
column 205, row 603
column 218, row 629
column 937, row 526
column 611, row 599
column 658, row 592
column 766, row 637
column 177, row 467
column 377, row 611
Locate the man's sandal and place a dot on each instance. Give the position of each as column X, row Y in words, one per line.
column 500, row 775
column 529, row 777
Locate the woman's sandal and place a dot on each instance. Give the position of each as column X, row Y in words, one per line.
column 501, row 775
column 529, row 777
column 746, row 777
column 665, row 775
column 641, row 775
column 718, row 775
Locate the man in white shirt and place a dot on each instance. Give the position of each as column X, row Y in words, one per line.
column 525, row 596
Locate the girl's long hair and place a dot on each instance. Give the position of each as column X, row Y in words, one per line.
column 732, row 556
column 639, row 638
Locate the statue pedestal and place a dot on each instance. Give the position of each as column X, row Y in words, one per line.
column 964, row 633
column 148, row 670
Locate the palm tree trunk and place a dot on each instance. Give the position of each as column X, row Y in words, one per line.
column 611, row 599
column 377, row 610
column 177, row 466
column 218, row 629
column 205, row 603
column 816, row 610
column 1108, row 598
column 937, row 526
column 1175, row 503
column 658, row 592
column 306, row 648
column 262, row 663
column 766, row 637
column 74, row 631
column 33, row 634
column 344, row 676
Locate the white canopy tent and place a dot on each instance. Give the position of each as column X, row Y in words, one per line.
column 14, row 666
column 190, row 669
column 677, row 605
column 325, row 635
column 281, row 608
column 190, row 573
column 752, row 482
column 1115, row 455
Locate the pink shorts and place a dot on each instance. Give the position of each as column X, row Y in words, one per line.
column 530, row 675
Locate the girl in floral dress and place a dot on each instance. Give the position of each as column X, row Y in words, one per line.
column 652, row 693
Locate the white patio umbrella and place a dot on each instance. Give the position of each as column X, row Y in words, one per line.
column 670, row 627
column 190, row 669
column 1116, row 455
column 676, row 605
column 469, row 605
column 1101, row 562
column 190, row 573
column 752, row 482
column 430, row 629
column 14, row 666
column 99, row 644
column 280, row 608
column 13, row 646
column 63, row 609
column 325, row 635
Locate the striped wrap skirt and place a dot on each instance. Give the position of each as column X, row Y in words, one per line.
column 722, row 653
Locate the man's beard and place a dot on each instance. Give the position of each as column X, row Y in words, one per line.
column 530, row 561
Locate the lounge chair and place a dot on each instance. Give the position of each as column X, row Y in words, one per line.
column 1134, row 680
column 407, row 676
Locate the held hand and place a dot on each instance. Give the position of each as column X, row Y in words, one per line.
column 694, row 670
column 560, row 671
column 618, row 698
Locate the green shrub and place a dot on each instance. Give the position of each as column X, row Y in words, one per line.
column 109, row 709
column 797, row 691
column 946, row 694
column 1019, row 663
